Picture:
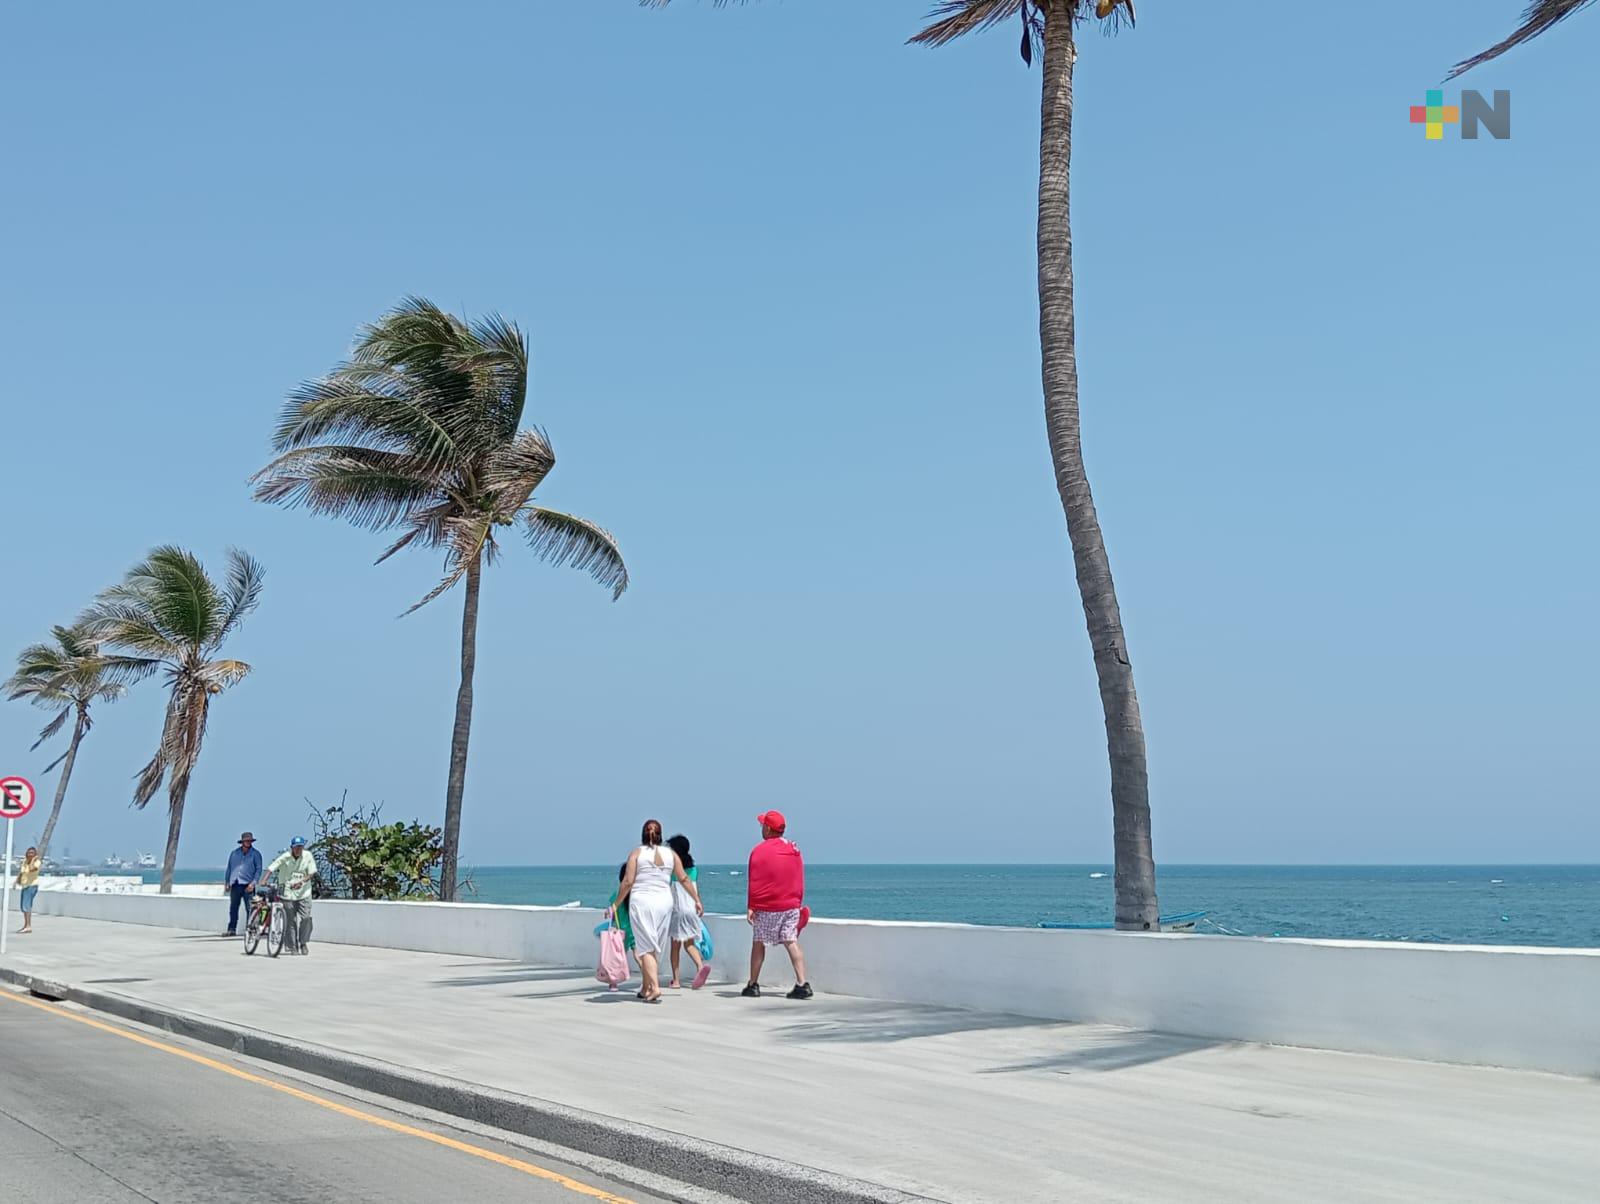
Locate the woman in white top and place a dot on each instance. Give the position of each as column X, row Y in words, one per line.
column 647, row 890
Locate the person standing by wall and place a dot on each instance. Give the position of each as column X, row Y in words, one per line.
column 686, row 922
column 647, row 890
column 776, row 889
column 28, row 880
column 244, row 871
column 294, row 871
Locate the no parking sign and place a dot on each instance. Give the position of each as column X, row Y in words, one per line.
column 16, row 797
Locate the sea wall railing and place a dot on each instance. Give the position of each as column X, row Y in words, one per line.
column 1531, row 1008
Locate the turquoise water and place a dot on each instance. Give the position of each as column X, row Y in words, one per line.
column 1502, row 905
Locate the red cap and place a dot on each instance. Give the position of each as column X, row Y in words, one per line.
column 773, row 820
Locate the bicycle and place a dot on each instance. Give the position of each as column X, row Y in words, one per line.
column 268, row 918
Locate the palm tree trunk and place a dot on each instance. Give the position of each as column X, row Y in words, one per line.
column 78, row 730
column 1136, row 907
column 176, row 794
column 178, row 786
column 457, row 784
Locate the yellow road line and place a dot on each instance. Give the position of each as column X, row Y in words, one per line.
column 517, row 1164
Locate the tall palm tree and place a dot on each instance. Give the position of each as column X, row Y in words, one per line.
column 169, row 615
column 1047, row 25
column 67, row 676
column 418, row 431
column 1539, row 16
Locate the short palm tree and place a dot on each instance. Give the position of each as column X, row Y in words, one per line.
column 1539, row 16
column 68, row 675
column 419, row 431
column 169, row 615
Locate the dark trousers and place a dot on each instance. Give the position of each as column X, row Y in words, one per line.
column 239, row 892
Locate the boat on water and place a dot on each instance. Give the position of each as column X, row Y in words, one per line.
column 1183, row 921
column 114, row 862
column 147, row 861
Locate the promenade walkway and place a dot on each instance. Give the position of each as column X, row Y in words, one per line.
column 951, row 1105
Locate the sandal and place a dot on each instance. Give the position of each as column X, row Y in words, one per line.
column 700, row 977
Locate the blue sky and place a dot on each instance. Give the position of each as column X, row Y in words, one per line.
column 777, row 269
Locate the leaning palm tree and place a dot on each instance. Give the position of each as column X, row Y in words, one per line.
column 169, row 616
column 1539, row 16
column 68, row 676
column 418, row 432
column 1047, row 26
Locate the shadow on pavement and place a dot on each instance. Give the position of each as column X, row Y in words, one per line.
column 898, row 1022
column 518, row 974
column 1119, row 1052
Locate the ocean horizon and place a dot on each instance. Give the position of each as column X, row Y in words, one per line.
column 1496, row 904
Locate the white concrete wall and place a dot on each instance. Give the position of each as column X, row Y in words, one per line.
column 1499, row 1006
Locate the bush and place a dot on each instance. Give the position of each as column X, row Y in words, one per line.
column 360, row 857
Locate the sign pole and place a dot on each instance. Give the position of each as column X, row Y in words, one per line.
column 5, row 908
column 16, row 800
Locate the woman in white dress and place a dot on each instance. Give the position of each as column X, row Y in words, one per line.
column 647, row 890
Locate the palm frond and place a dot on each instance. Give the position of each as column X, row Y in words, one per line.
column 430, row 527
column 119, row 616
column 71, row 672
column 467, row 540
column 52, row 727
column 558, row 538
column 182, row 732
column 511, row 473
column 51, row 767
column 951, row 19
column 122, row 670
column 1539, row 16
column 149, row 779
column 498, row 361
column 172, row 588
column 373, row 490
column 40, row 676
column 241, row 592
column 222, row 674
column 370, row 403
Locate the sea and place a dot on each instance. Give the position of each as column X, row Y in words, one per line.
column 1452, row 904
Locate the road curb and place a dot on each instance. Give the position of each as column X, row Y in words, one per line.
column 673, row 1156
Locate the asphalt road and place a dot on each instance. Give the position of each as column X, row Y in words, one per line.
column 90, row 1116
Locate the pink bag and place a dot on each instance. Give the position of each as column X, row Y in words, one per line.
column 613, row 967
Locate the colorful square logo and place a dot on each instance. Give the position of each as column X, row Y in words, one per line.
column 1435, row 115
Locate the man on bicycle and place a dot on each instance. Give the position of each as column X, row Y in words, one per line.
column 292, row 872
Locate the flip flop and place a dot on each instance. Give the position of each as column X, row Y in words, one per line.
column 700, row 976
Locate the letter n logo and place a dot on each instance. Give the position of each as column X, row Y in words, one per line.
column 1475, row 111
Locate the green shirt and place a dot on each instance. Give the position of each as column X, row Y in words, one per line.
column 294, row 877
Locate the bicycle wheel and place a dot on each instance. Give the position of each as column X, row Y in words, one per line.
column 275, row 933
column 252, row 930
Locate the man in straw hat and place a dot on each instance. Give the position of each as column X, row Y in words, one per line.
column 244, row 868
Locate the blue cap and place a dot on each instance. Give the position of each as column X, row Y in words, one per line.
column 297, row 840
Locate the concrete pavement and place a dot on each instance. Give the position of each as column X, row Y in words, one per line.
column 951, row 1105
column 91, row 1117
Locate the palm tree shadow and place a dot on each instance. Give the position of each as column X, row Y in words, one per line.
column 902, row 1022
column 1121, row 1050
column 518, row 973
column 1067, row 1046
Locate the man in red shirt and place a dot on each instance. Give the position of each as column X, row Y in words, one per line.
column 777, row 887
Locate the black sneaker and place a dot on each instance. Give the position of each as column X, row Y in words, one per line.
column 752, row 991
column 802, row 990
